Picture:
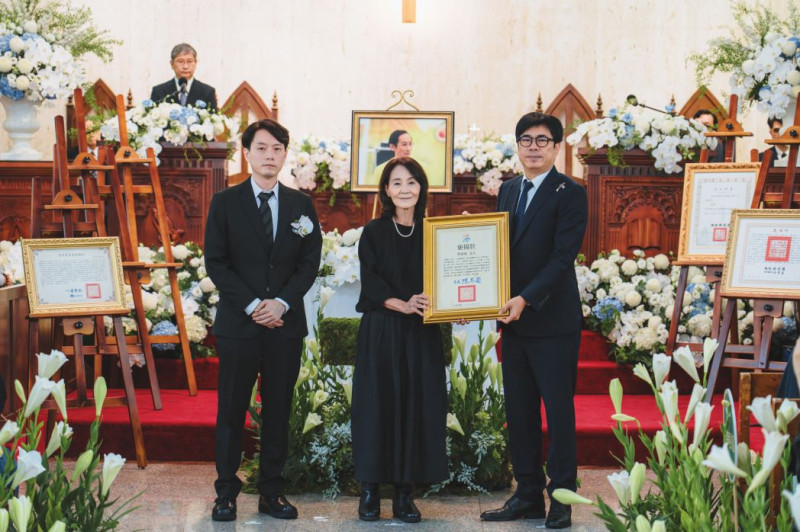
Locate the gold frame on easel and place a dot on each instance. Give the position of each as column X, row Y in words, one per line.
column 748, row 229
column 730, row 185
column 451, row 241
column 74, row 300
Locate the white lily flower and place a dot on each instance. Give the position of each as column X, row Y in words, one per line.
column 698, row 392
column 50, row 364
column 112, row 464
column 642, row 524
column 313, row 347
column 320, row 396
column 19, row 509
column 623, row 418
column 637, row 480
column 702, row 416
column 719, row 458
column 786, row 413
column 60, row 395
column 684, row 358
column 568, row 497
column 312, row 420
column 82, row 463
column 325, row 295
column 794, row 503
column 774, row 442
column 3, row 520
column 615, row 391
column 641, row 371
column 460, row 341
column 58, row 526
column 60, row 430
column 100, row 391
column 621, row 482
column 709, row 348
column 454, row 424
column 669, row 397
column 29, row 465
column 347, row 387
column 658, row 526
column 41, row 389
column 661, row 363
column 9, row 430
column 761, row 407
column 660, row 440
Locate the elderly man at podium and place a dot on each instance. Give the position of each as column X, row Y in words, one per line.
column 184, row 88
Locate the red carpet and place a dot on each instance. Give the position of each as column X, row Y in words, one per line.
column 184, row 429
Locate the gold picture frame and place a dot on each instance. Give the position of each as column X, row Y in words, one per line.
column 431, row 135
column 763, row 255
column 74, row 276
column 459, row 253
column 710, row 192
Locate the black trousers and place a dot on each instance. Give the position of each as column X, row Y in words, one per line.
column 536, row 370
column 277, row 359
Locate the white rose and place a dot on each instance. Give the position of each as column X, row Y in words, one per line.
column 30, row 26
column 23, row 83
column 629, row 267
column 16, row 44
column 150, row 300
column 24, row 66
column 633, row 298
column 201, row 272
column 194, row 263
column 207, row 285
column 180, row 252
column 5, row 64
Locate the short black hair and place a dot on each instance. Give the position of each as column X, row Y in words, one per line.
column 394, row 138
column 417, row 172
column 771, row 122
column 182, row 48
column 269, row 125
column 552, row 124
column 701, row 112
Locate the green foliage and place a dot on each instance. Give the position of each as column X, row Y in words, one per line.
column 68, row 25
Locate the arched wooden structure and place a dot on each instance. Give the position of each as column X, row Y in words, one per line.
column 571, row 107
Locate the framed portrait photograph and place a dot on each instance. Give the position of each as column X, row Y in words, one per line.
column 710, row 193
column 74, row 276
column 465, row 266
column 763, row 255
column 378, row 136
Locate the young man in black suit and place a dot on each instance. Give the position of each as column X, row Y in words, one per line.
column 183, row 88
column 262, row 250
column 780, row 152
column 542, row 333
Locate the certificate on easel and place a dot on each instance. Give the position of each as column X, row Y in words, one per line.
column 710, row 193
column 466, row 266
column 763, row 255
column 74, row 276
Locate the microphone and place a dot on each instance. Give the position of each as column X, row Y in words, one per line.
column 632, row 100
column 182, row 82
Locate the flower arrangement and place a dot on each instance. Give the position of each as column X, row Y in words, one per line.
column 697, row 483
column 669, row 139
column 11, row 263
column 199, row 298
column 40, row 44
column 490, row 159
column 316, row 162
column 339, row 262
column 55, row 498
column 762, row 56
column 149, row 122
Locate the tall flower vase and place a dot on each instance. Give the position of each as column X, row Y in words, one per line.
column 21, row 123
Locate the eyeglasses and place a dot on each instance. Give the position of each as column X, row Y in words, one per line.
column 183, row 62
column 541, row 141
column 776, row 130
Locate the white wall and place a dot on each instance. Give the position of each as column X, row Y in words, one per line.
column 485, row 59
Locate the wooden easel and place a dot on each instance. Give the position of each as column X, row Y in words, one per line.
column 766, row 309
column 732, row 129
column 124, row 192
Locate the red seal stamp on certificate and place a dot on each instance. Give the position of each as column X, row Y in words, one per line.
column 93, row 291
column 778, row 248
column 720, row 234
column 466, row 293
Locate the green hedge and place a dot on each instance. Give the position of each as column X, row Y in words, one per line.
column 338, row 338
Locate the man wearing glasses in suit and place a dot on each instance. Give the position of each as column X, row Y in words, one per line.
column 183, row 88
column 780, row 152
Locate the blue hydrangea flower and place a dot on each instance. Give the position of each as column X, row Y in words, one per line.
column 612, row 113
column 7, row 90
column 627, row 117
column 175, row 114
column 29, row 36
column 343, row 146
column 508, row 151
column 4, row 40
column 670, row 107
column 457, row 153
column 604, row 309
column 200, row 104
column 148, row 103
column 322, row 144
column 164, row 328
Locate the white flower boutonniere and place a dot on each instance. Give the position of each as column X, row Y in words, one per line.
column 303, row 226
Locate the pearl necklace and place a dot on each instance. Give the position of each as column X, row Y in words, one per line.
column 413, row 225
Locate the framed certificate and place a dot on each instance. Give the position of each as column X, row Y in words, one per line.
column 466, row 266
column 710, row 193
column 763, row 255
column 74, row 276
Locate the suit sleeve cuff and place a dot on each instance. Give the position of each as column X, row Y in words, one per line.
column 252, row 306
column 284, row 303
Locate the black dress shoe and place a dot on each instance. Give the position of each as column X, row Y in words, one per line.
column 276, row 506
column 404, row 509
column 516, row 508
column 369, row 507
column 224, row 509
column 559, row 516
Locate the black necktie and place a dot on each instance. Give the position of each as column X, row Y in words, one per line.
column 183, row 95
column 527, row 184
column 266, row 214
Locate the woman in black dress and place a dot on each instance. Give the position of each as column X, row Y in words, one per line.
column 399, row 393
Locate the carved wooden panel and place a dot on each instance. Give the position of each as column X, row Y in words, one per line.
column 570, row 107
column 15, row 196
column 104, row 98
column 703, row 98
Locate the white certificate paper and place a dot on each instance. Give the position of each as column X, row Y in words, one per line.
column 74, row 276
column 466, row 268
column 767, row 255
column 714, row 196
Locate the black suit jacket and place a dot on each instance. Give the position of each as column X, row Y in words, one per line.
column 237, row 260
column 774, row 151
column 199, row 91
column 543, row 251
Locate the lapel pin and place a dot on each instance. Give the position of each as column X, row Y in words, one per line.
column 562, row 185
